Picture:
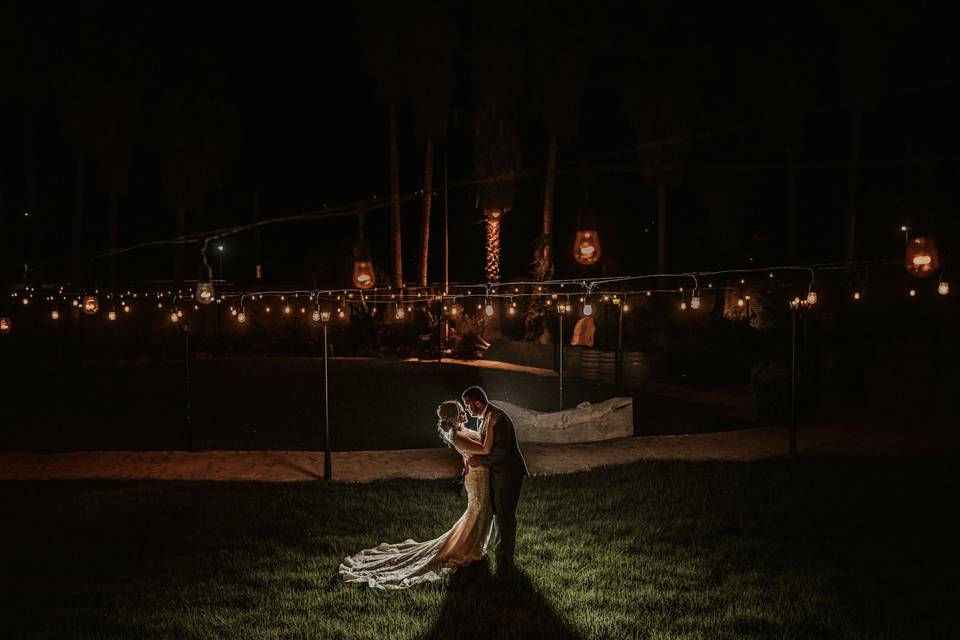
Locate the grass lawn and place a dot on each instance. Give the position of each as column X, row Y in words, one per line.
column 277, row 403
column 818, row 548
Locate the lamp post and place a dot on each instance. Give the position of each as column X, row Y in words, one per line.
column 220, row 258
column 796, row 307
column 560, row 315
column 188, row 424
column 327, row 465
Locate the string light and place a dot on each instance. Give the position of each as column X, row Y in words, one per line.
column 174, row 317
column 943, row 288
column 55, row 314
column 111, row 315
column 90, row 305
column 856, row 295
column 5, row 325
column 913, row 293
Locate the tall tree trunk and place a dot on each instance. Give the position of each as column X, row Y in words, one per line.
column 257, row 245
column 113, row 212
column 852, row 183
column 76, row 223
column 396, row 243
column 549, row 194
column 790, row 206
column 493, row 218
column 178, row 252
column 425, row 219
column 661, row 229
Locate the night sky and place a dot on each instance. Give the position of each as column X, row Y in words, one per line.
column 147, row 109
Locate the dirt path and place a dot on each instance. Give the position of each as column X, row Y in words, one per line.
column 542, row 459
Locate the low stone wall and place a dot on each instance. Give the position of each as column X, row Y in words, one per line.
column 586, row 422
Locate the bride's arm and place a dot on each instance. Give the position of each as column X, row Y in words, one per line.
column 474, row 446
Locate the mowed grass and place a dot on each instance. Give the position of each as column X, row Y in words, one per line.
column 809, row 548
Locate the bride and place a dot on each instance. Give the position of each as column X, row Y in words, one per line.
column 402, row 565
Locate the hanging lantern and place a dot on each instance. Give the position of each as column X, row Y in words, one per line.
column 55, row 314
column 5, row 325
column 400, row 314
column 111, row 315
column 488, row 309
column 587, row 309
column 363, row 274
column 316, row 316
column 241, row 317
column 205, row 292
column 922, row 258
column 943, row 288
column 856, row 295
column 812, row 297
column 695, row 302
column 586, row 246
column 174, row 316
column 90, row 305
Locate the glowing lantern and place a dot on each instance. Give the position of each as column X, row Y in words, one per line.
column 241, row 317
column 325, row 315
column 943, row 288
column 586, row 246
column 922, row 258
column 400, row 313
column 55, row 314
column 695, row 302
column 316, row 316
column 363, row 273
column 205, row 292
column 111, row 315
column 812, row 297
column 174, row 316
column 90, row 305
column 5, row 325
column 587, row 309
column 488, row 309
column 856, row 295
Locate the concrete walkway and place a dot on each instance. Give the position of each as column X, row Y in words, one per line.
column 543, row 459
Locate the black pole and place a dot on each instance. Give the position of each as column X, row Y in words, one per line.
column 561, row 360
column 186, row 359
column 327, row 465
column 793, row 382
column 619, row 363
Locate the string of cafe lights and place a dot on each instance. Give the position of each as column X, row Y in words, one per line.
column 558, row 294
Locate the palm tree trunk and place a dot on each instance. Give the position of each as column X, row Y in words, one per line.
column 396, row 243
column 852, row 181
column 178, row 252
column 661, row 229
column 425, row 219
column 549, row 195
column 113, row 211
column 76, row 223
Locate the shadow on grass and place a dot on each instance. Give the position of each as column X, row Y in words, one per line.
column 481, row 604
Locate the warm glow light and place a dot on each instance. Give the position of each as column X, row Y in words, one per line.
column 241, row 317
column 400, row 314
column 488, row 309
column 493, row 245
column 626, row 307
column 856, row 295
column 205, row 292
column 586, row 246
column 913, row 292
column 695, row 302
column 5, row 325
column 315, row 316
column 76, row 303
column 91, row 305
column 55, row 314
column 325, row 316
column 587, row 309
column 363, row 274
column 111, row 315
column 286, row 310
column 26, row 301
column 812, row 297
column 683, row 306
column 174, row 317
column 179, row 313
column 922, row 258
column 740, row 302
column 943, row 288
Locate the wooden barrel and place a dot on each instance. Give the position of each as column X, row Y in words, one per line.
column 608, row 367
column 590, row 365
column 636, row 368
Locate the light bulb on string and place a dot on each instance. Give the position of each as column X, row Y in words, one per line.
column 587, row 308
column 55, row 314
column 857, row 295
column 90, row 305
column 488, row 309
column 241, row 317
column 695, row 300
column 6, row 326
column 174, row 316
column 921, row 258
column 812, row 297
column 111, row 315
column 943, row 288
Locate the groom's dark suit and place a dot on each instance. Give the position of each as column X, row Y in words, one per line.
column 507, row 470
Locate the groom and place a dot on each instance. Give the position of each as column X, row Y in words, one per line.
column 507, row 469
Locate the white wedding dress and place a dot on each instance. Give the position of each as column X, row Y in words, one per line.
column 402, row 565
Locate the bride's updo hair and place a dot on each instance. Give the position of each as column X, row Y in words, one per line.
column 448, row 413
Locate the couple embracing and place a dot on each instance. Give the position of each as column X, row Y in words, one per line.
column 494, row 472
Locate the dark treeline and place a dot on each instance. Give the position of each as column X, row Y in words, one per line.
column 122, row 123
